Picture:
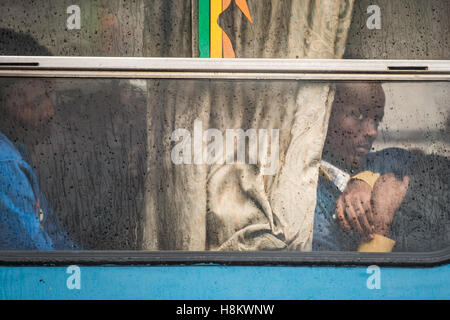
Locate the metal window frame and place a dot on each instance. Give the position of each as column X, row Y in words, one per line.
column 256, row 69
column 195, row 68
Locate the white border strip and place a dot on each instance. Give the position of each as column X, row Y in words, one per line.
column 222, row 65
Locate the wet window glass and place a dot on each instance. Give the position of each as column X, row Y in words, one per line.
column 224, row 165
column 384, row 29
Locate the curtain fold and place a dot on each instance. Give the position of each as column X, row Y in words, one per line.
column 236, row 206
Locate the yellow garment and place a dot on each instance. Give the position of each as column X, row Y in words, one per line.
column 378, row 244
column 368, row 177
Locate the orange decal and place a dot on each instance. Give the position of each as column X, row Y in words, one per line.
column 242, row 4
column 220, row 43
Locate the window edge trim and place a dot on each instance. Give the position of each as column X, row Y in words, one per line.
column 252, row 258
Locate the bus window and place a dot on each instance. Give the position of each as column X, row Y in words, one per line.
column 224, row 163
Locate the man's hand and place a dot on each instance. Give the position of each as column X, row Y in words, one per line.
column 354, row 210
column 387, row 195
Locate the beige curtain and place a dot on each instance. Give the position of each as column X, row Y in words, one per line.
column 234, row 206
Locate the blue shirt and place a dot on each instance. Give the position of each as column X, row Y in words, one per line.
column 26, row 220
column 327, row 233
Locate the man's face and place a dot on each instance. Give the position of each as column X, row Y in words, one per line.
column 357, row 110
column 30, row 102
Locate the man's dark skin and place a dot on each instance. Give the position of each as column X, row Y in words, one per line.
column 357, row 110
column 27, row 107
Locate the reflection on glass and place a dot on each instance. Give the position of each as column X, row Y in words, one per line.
column 223, row 165
column 72, row 151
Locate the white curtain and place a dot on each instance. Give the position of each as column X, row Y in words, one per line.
column 234, row 206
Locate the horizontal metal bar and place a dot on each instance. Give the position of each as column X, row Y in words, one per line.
column 400, row 259
column 225, row 65
column 222, row 75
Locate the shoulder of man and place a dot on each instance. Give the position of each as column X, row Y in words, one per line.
column 8, row 152
column 396, row 160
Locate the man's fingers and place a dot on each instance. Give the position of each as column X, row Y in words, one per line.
column 352, row 216
column 367, row 205
column 367, row 228
column 402, row 187
column 406, row 182
column 340, row 214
